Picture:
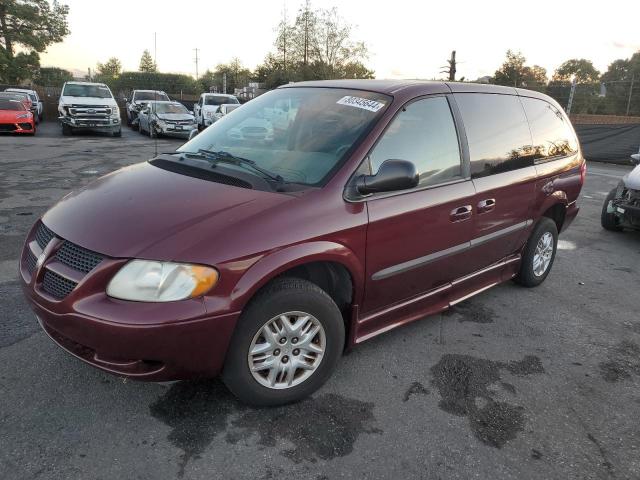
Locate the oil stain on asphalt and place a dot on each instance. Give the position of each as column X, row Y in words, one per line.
column 470, row 311
column 624, row 360
column 322, row 427
column 463, row 382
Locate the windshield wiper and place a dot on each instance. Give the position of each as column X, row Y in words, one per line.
column 222, row 156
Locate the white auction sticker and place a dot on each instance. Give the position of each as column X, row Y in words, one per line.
column 360, row 102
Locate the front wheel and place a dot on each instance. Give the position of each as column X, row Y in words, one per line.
column 609, row 220
column 539, row 254
column 66, row 130
column 286, row 344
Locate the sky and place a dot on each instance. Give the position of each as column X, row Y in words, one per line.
column 405, row 38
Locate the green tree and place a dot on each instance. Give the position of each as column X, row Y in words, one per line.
column 512, row 70
column 52, row 76
column 29, row 26
column 579, row 68
column 317, row 45
column 146, row 63
column 617, row 80
column 111, row 69
column 238, row 76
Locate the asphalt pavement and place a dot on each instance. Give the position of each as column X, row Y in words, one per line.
column 514, row 383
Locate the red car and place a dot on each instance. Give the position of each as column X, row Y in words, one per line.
column 381, row 202
column 15, row 118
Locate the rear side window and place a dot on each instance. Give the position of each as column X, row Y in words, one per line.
column 497, row 132
column 550, row 129
column 423, row 133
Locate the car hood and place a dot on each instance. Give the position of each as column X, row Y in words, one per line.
column 143, row 211
column 68, row 100
column 12, row 115
column 632, row 180
column 175, row 116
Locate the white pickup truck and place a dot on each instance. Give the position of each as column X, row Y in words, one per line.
column 206, row 107
column 85, row 105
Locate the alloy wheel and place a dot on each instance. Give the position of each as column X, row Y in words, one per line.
column 543, row 254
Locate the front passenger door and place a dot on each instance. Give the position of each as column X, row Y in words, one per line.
column 417, row 238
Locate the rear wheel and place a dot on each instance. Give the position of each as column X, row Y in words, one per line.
column 286, row 344
column 539, row 254
column 609, row 221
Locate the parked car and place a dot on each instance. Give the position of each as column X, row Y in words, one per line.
column 15, row 118
column 139, row 98
column 206, row 107
column 223, row 110
column 621, row 208
column 21, row 97
column 88, row 106
column 166, row 118
column 261, row 261
column 38, row 106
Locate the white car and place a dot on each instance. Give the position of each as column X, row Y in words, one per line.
column 38, row 106
column 206, row 107
column 166, row 118
column 86, row 105
column 139, row 98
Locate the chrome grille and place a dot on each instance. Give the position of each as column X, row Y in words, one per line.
column 77, row 257
column 56, row 285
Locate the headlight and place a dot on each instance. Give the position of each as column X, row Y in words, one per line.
column 115, row 111
column 209, row 114
column 24, row 115
column 161, row 123
column 149, row 281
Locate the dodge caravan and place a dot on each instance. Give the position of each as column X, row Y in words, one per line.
column 260, row 254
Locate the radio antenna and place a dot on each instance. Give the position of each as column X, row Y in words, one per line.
column 155, row 92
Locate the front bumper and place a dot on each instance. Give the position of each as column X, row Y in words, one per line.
column 99, row 124
column 146, row 341
column 21, row 127
column 172, row 131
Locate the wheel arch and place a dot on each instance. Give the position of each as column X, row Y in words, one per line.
column 330, row 265
column 555, row 208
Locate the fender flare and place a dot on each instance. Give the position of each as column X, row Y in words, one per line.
column 273, row 264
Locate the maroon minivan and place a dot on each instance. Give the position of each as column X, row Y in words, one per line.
column 313, row 218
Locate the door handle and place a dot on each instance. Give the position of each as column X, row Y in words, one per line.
column 486, row 205
column 461, row 213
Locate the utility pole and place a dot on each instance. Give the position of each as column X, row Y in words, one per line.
column 573, row 91
column 196, row 60
column 224, row 82
column 633, row 77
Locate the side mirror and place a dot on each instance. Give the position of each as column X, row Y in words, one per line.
column 392, row 175
column 635, row 158
column 193, row 133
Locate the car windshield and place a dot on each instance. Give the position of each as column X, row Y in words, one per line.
column 171, row 108
column 79, row 90
column 299, row 133
column 141, row 96
column 219, row 100
column 6, row 104
column 14, row 95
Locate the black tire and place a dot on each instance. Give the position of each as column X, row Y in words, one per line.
column 609, row 221
column 152, row 132
column 526, row 275
column 281, row 296
column 66, row 130
column 117, row 133
column 128, row 118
